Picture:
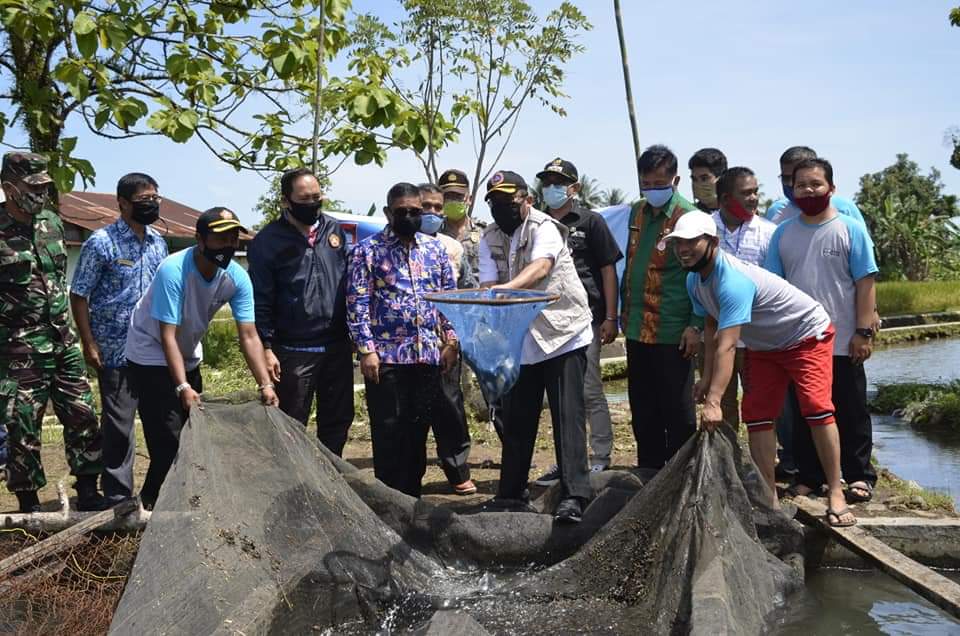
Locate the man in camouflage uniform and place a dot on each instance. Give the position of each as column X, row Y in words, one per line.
column 40, row 359
column 459, row 224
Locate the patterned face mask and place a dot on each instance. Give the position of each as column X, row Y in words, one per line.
column 30, row 202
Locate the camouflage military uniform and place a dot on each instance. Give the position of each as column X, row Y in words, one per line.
column 40, row 359
column 471, row 243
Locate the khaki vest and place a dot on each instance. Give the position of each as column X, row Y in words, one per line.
column 559, row 321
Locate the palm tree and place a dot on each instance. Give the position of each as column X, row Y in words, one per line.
column 590, row 193
column 614, row 196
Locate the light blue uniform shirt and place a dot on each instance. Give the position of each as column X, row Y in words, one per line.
column 179, row 295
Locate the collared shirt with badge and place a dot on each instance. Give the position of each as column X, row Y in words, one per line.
column 593, row 247
column 34, row 308
column 386, row 309
column 114, row 271
column 749, row 242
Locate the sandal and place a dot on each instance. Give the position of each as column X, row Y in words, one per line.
column 836, row 514
column 466, row 488
column 853, row 497
column 794, row 491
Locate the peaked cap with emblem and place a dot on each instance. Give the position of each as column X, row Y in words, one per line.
column 454, row 181
column 506, row 181
column 561, row 167
column 217, row 220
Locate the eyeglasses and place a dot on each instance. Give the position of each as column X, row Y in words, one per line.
column 407, row 211
column 432, row 207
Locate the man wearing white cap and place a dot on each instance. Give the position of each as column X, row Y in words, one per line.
column 789, row 338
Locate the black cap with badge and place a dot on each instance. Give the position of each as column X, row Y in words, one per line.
column 454, row 181
column 560, row 167
column 217, row 220
column 506, row 181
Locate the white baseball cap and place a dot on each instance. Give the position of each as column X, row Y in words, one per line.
column 693, row 224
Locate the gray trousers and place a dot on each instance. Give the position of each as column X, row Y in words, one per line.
column 118, row 407
column 595, row 402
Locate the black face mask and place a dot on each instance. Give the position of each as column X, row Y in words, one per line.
column 145, row 212
column 219, row 257
column 405, row 226
column 702, row 262
column 306, row 213
column 507, row 216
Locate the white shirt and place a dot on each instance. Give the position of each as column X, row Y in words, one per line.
column 547, row 243
column 749, row 242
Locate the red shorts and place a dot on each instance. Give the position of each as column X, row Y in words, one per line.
column 767, row 374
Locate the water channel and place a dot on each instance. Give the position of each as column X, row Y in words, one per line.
column 844, row 601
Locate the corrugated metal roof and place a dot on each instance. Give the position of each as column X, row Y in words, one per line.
column 94, row 210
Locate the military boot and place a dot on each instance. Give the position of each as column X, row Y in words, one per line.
column 29, row 502
column 88, row 497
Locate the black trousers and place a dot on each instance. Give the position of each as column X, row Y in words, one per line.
column 327, row 375
column 562, row 379
column 660, row 390
column 401, row 408
column 118, row 406
column 853, row 425
column 450, row 428
column 163, row 418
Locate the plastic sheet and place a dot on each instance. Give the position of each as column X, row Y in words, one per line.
column 258, row 530
column 491, row 325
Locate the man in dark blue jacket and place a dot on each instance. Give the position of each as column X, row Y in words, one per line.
column 298, row 265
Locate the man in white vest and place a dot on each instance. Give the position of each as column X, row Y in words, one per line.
column 527, row 249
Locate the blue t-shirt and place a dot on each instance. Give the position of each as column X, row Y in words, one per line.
column 772, row 314
column 783, row 209
column 179, row 295
column 826, row 261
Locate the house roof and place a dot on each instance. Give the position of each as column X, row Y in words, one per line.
column 94, row 210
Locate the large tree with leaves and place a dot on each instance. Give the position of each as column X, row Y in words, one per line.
column 240, row 76
column 909, row 219
column 472, row 66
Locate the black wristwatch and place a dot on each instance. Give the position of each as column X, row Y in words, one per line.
column 866, row 332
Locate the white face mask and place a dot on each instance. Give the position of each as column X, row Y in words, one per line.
column 555, row 196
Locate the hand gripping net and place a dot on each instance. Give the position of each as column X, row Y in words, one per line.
column 491, row 325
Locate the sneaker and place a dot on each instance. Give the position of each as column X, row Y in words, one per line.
column 570, row 510
column 598, row 468
column 550, row 477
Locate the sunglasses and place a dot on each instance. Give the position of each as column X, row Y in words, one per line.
column 407, row 211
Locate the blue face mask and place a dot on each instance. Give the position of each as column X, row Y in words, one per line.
column 430, row 223
column 555, row 196
column 788, row 192
column 658, row 197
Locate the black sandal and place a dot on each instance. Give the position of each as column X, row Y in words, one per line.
column 853, row 497
column 836, row 514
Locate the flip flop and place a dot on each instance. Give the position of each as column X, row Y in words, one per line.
column 794, row 491
column 837, row 514
column 466, row 488
column 852, row 497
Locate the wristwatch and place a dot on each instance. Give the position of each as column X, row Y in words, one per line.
column 866, row 332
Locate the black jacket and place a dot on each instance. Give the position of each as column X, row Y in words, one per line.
column 298, row 290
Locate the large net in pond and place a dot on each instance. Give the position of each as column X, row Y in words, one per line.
column 491, row 325
column 260, row 530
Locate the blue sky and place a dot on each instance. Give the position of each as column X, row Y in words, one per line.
column 857, row 80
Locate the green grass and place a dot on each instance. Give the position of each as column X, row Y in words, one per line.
column 912, row 496
column 931, row 406
column 904, row 297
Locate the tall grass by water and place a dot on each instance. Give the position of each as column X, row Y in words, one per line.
column 907, row 297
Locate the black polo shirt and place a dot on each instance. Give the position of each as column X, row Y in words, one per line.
column 593, row 247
